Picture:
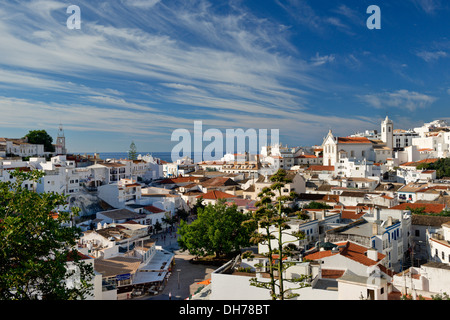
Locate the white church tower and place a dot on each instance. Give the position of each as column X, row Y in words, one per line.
column 387, row 132
column 61, row 142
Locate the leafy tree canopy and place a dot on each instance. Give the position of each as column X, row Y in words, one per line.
column 36, row 246
column 317, row 205
column 442, row 167
column 218, row 230
column 41, row 137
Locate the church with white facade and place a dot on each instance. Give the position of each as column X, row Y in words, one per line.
column 359, row 148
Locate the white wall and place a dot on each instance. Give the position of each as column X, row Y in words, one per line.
column 356, row 291
column 230, row 287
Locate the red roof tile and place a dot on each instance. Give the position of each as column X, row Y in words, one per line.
column 347, row 214
column 349, row 250
column 353, row 140
column 429, row 207
column 178, row 180
column 216, row 194
column 332, row 274
column 153, row 209
column 321, row 168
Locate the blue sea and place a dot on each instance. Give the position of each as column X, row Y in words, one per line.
column 165, row 156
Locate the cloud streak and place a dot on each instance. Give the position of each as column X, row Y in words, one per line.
column 148, row 67
column 403, row 99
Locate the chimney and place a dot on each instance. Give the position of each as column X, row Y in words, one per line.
column 374, row 229
column 389, row 222
column 372, row 254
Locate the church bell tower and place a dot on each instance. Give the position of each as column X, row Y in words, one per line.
column 387, row 132
column 61, row 141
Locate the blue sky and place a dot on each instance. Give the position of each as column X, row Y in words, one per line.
column 139, row 69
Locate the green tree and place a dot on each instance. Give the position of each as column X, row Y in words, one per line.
column 35, row 247
column 198, row 205
column 41, row 137
column 218, row 230
column 182, row 214
column 443, row 296
column 168, row 219
column 132, row 153
column 317, row 205
column 442, row 167
column 421, row 211
column 158, row 226
column 272, row 221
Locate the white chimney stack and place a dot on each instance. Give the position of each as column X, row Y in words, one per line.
column 372, row 254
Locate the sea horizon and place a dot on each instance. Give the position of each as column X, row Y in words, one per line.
column 163, row 155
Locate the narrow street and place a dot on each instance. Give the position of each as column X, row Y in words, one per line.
column 185, row 276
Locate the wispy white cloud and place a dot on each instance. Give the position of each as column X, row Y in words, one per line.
column 430, row 56
column 404, row 99
column 143, row 4
column 318, row 60
column 351, row 15
column 429, row 6
column 134, row 70
column 304, row 13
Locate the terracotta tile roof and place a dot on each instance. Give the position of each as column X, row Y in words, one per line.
column 113, row 165
column 416, row 163
column 425, row 149
column 319, row 197
column 349, row 250
column 352, row 215
column 429, row 207
column 320, row 168
column 357, row 253
column 332, row 274
column 354, row 140
column 219, row 181
column 22, row 169
column 132, row 185
column 153, row 209
column 81, row 256
column 309, row 156
column 178, row 180
column 216, row 194
column 425, row 220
